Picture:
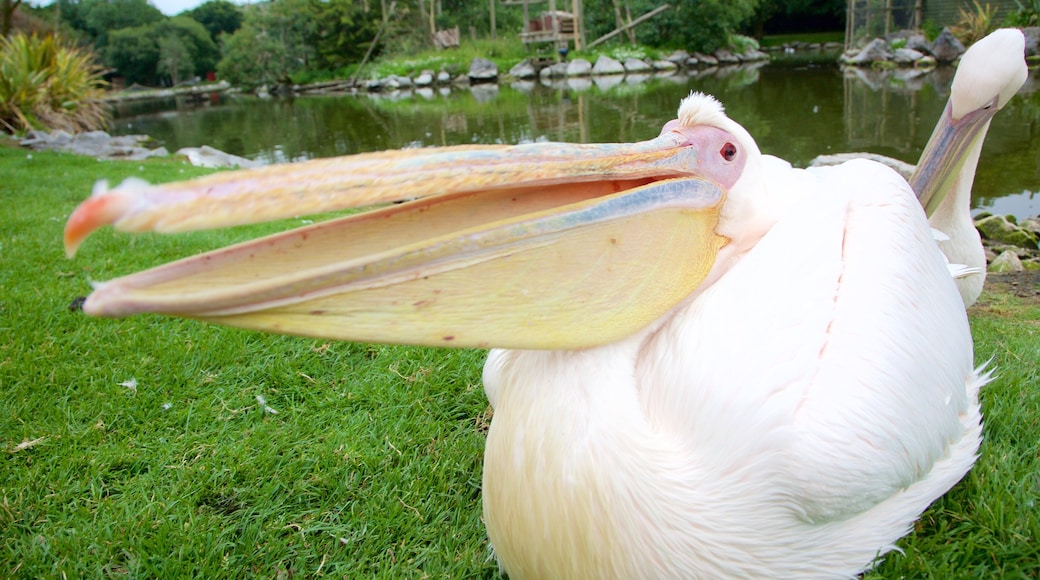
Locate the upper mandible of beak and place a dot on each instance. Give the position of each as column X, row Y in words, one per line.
column 531, row 246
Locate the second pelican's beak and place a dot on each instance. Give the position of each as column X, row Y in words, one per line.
column 543, row 245
column 989, row 74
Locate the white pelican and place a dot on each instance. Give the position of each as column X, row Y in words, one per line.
column 988, row 75
column 726, row 368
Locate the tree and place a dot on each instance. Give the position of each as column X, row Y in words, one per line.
column 274, row 42
column 135, row 52
column 218, row 17
column 101, row 17
column 8, row 7
column 174, row 59
column 343, row 32
column 703, row 25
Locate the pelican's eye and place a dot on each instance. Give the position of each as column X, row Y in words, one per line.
column 728, row 151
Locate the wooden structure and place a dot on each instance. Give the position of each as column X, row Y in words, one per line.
column 553, row 26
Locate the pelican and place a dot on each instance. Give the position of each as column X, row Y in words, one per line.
column 986, row 79
column 705, row 364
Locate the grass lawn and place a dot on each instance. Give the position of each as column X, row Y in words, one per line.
column 157, row 447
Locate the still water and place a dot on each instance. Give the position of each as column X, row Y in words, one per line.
column 794, row 113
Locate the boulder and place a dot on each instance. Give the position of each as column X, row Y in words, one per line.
column 424, row 79
column 556, row 71
column 679, row 57
column 1007, row 261
column 946, row 48
column 482, row 70
column 876, row 50
column 607, row 66
column 754, row 55
column 579, row 67
column 906, row 56
column 919, row 43
column 443, row 77
column 664, row 66
column 207, row 156
column 998, row 228
column 706, row 59
column 1032, row 34
column 635, row 65
column 523, row 70
column 98, row 144
column 726, row 57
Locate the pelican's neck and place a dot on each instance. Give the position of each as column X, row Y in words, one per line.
column 953, row 218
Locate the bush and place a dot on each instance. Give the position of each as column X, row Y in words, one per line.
column 46, row 85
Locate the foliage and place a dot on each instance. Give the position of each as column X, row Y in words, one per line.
column 135, row 52
column 699, row 25
column 174, row 59
column 271, row 45
column 218, row 17
column 342, row 34
column 7, row 8
column 1026, row 14
column 504, row 52
column 101, row 17
column 46, row 85
column 975, row 23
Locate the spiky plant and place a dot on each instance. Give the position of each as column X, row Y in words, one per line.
column 45, row 84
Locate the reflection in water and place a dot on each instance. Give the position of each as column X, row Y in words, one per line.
column 795, row 113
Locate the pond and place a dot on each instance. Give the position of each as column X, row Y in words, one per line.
column 794, row 113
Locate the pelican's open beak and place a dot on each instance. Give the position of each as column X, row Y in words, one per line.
column 542, row 245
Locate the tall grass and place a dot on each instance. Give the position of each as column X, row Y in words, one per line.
column 138, row 447
column 47, row 85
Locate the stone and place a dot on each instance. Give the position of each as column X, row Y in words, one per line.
column 664, row 66
column 692, row 62
column 907, row 56
column 556, row 71
column 424, row 79
column 679, row 57
column 523, row 70
column 998, row 228
column 97, row 144
column 635, row 65
column 726, row 57
column 207, row 156
column 876, row 50
column 706, row 59
column 1007, row 261
column 579, row 67
column 1032, row 34
column 443, row 77
column 919, row 43
column 946, row 48
column 903, row 168
column 1031, row 225
column 482, row 70
column 607, row 66
column 755, row 55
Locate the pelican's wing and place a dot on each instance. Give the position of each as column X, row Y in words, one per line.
column 837, row 354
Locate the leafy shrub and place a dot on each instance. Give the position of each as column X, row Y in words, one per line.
column 1027, row 14
column 46, row 85
column 976, row 23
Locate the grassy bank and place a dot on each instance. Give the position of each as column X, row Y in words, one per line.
column 140, row 447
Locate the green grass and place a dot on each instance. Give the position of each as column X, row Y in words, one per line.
column 371, row 466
